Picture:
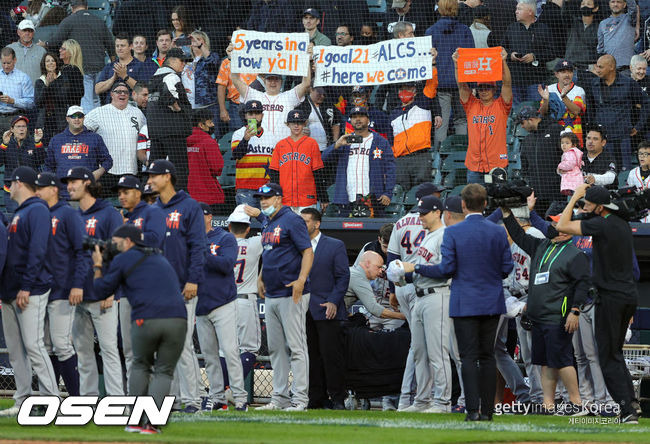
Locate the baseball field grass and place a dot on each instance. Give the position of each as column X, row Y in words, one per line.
column 321, row 426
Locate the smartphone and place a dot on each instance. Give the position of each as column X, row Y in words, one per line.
column 252, row 125
column 183, row 41
column 354, row 138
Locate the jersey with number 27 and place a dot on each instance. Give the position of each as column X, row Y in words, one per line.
column 247, row 265
column 406, row 237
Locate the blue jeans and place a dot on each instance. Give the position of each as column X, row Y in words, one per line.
column 246, row 197
column 622, row 152
column 235, row 120
column 475, row 177
column 90, row 100
column 523, row 93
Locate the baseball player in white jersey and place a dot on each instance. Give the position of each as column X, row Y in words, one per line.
column 639, row 177
column 276, row 104
column 518, row 287
column 430, row 317
column 246, row 273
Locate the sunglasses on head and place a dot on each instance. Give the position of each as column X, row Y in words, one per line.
column 265, row 189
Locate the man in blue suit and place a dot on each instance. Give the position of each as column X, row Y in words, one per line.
column 329, row 282
column 476, row 255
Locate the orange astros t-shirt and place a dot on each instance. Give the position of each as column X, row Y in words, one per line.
column 486, row 133
column 296, row 161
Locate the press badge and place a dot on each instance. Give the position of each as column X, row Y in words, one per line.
column 541, row 278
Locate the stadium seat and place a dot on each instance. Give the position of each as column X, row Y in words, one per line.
column 456, row 191
column 227, row 178
column 453, row 161
column 454, row 143
column 101, row 9
column 224, row 142
column 455, row 178
column 409, row 198
column 398, row 194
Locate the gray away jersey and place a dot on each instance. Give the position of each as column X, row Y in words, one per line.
column 407, row 237
column 247, row 265
column 428, row 253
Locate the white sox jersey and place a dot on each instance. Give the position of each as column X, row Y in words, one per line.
column 521, row 273
column 276, row 109
column 407, row 237
column 428, row 253
column 247, row 265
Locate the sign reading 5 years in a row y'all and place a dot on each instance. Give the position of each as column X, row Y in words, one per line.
column 270, row 53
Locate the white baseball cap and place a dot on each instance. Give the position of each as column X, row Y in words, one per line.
column 26, row 24
column 74, row 109
column 239, row 215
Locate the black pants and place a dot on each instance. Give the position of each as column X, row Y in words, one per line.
column 612, row 320
column 476, row 336
column 173, row 148
column 326, row 361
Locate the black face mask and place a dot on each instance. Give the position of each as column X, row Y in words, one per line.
column 586, row 11
column 366, row 40
column 210, row 130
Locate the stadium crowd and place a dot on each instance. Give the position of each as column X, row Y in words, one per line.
column 112, row 117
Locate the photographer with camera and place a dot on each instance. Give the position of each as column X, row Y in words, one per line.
column 613, row 249
column 158, row 317
column 69, row 266
column 559, row 283
column 365, row 168
column 95, row 313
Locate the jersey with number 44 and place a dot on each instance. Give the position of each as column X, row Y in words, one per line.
column 406, row 237
column 247, row 265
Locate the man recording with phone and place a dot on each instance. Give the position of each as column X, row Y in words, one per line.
column 613, row 248
column 251, row 148
column 365, row 172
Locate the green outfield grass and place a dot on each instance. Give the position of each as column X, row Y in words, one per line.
column 343, row 427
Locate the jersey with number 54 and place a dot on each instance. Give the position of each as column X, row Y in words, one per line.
column 247, row 265
column 406, row 237
column 521, row 272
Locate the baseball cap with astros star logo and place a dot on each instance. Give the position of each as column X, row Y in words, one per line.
column 297, row 116
column 564, row 65
column 253, row 106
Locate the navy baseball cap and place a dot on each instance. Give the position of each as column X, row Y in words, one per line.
column 564, row 65
column 206, row 209
column 454, row 204
column 311, row 11
column 130, row 231
column 18, row 118
column 147, row 190
column 47, row 180
column 129, row 182
column 23, row 174
column 599, row 195
column 161, row 166
column 360, row 90
column 527, row 112
column 118, row 84
column 253, row 106
column 362, row 110
column 269, row 190
column 427, row 189
column 78, row 173
column 178, row 53
column 297, row 116
column 428, row 204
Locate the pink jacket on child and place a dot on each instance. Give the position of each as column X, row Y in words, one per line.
column 570, row 170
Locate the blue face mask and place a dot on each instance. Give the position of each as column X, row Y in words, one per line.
column 268, row 211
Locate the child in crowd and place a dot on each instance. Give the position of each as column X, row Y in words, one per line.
column 639, row 177
column 570, row 165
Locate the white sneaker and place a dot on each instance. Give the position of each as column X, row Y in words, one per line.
column 413, row 408
column 436, row 409
column 300, row 407
column 11, row 411
column 270, row 406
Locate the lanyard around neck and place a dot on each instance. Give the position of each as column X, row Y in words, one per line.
column 547, row 255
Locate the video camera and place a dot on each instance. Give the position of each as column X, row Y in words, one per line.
column 633, row 204
column 512, row 193
column 107, row 247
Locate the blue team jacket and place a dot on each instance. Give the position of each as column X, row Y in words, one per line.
column 100, row 220
column 283, row 239
column 152, row 288
column 26, row 266
column 151, row 220
column 218, row 286
column 184, row 237
column 65, row 255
